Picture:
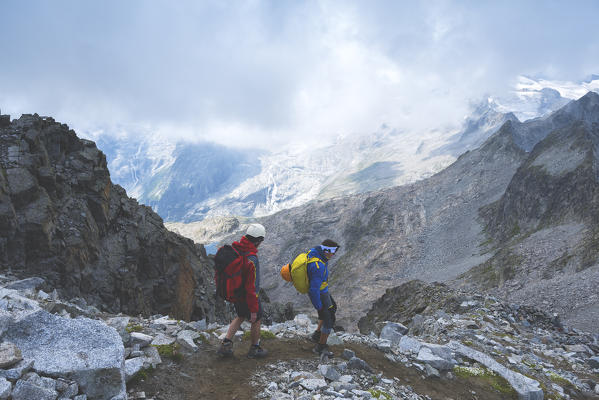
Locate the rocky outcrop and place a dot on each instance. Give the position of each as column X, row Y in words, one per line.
column 526, row 388
column 471, row 335
column 558, row 182
column 410, row 302
column 404, row 302
column 542, row 232
column 87, row 351
column 62, row 218
column 45, row 355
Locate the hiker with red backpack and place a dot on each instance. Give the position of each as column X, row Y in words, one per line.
column 318, row 275
column 237, row 276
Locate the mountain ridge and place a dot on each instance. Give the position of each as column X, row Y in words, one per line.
column 430, row 230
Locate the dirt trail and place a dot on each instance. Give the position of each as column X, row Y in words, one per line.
column 205, row 375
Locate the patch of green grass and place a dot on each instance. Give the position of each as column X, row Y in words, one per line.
column 201, row 339
column 486, row 246
column 263, row 335
column 560, row 380
column 504, row 335
column 134, row 328
column 170, row 351
column 466, row 372
column 515, row 230
column 142, row 375
column 530, row 364
column 379, row 394
column 467, row 342
column 494, row 380
column 549, row 394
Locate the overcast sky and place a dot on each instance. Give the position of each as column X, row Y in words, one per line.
column 268, row 72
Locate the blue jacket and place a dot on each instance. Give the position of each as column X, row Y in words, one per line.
column 318, row 274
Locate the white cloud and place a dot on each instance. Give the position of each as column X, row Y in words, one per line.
column 262, row 73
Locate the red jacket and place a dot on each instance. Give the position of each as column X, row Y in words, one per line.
column 250, row 272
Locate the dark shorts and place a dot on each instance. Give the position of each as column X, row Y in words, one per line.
column 243, row 311
column 327, row 313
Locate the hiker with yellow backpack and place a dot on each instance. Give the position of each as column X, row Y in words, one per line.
column 309, row 273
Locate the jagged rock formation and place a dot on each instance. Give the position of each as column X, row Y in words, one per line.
column 412, row 301
column 62, row 218
column 544, row 227
column 53, row 354
column 402, row 303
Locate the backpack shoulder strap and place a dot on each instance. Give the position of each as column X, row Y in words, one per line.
column 316, row 260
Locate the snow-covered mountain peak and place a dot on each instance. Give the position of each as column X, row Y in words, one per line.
column 186, row 181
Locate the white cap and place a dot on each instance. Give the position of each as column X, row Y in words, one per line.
column 256, row 230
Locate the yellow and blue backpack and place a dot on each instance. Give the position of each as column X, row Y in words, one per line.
column 297, row 272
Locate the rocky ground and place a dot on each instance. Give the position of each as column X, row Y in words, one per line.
column 471, row 347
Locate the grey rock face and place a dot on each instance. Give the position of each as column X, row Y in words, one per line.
column 329, row 372
column 87, row 350
column 409, row 345
column 17, row 370
column 4, row 120
column 426, row 356
column 10, row 354
column 62, row 219
column 186, row 339
column 313, row 384
column 544, row 223
column 5, row 388
column 140, row 339
column 25, row 390
column 358, row 363
column 133, row 366
column 348, row 354
column 393, row 332
column 29, row 283
column 120, row 324
column 436, row 300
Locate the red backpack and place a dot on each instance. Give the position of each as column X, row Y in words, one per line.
column 228, row 276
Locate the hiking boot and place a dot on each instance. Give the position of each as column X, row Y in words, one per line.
column 257, row 352
column 323, row 350
column 315, row 337
column 225, row 349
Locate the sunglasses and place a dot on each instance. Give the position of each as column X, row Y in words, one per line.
column 328, row 249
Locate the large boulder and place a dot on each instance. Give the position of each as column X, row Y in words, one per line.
column 527, row 388
column 393, row 332
column 402, row 303
column 84, row 350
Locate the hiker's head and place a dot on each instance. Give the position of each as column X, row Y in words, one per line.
column 255, row 234
column 329, row 247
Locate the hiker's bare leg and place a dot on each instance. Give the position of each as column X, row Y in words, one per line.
column 323, row 338
column 319, row 325
column 255, row 332
column 234, row 327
